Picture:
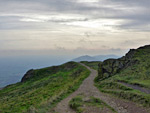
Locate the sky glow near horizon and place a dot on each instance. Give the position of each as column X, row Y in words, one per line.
column 73, row 27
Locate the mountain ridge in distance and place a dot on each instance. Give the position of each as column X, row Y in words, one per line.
column 94, row 58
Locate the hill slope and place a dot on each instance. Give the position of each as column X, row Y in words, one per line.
column 117, row 76
column 92, row 64
column 41, row 89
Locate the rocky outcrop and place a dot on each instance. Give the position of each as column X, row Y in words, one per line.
column 112, row 66
column 28, row 75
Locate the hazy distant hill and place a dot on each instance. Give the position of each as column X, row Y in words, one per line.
column 94, row 58
column 84, row 58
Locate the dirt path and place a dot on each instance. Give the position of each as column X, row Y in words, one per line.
column 87, row 88
column 147, row 91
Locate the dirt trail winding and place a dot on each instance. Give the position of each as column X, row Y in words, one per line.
column 88, row 89
column 142, row 89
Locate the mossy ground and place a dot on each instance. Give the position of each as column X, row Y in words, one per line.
column 44, row 90
column 80, row 103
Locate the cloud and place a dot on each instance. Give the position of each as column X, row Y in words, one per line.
column 73, row 24
column 135, row 13
column 134, row 17
column 63, row 52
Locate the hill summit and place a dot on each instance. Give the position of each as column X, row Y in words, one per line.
column 84, row 58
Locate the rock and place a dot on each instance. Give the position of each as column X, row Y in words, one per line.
column 28, row 75
column 112, row 66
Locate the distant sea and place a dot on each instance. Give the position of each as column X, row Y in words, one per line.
column 13, row 68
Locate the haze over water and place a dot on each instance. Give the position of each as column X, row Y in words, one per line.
column 13, row 68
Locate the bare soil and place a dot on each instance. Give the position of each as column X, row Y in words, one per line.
column 88, row 89
column 91, row 109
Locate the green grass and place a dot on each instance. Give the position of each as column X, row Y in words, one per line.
column 44, row 90
column 138, row 73
column 111, row 86
column 93, row 64
column 133, row 80
column 78, row 103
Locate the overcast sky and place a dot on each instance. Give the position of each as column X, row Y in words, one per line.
column 73, row 27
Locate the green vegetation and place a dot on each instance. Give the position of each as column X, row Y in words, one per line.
column 111, row 86
column 136, row 70
column 43, row 90
column 93, row 64
column 79, row 103
column 76, row 103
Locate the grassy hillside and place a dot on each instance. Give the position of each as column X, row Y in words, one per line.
column 92, row 64
column 135, row 70
column 43, row 89
column 140, row 72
